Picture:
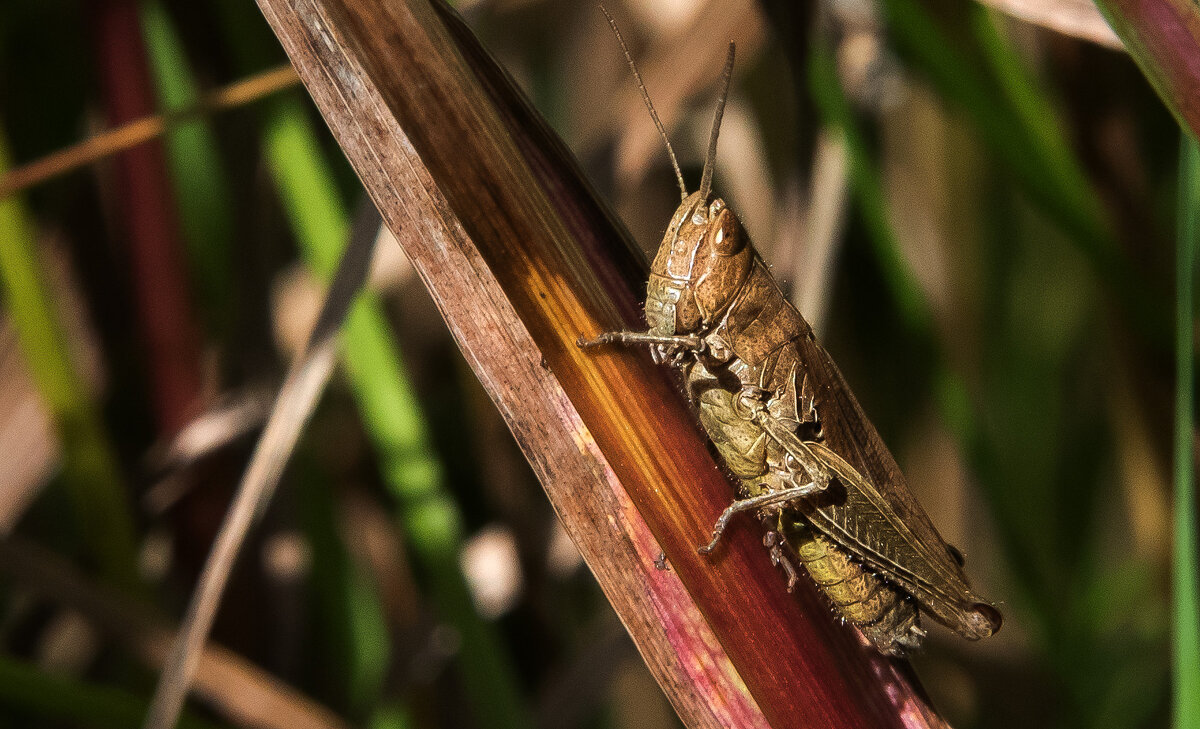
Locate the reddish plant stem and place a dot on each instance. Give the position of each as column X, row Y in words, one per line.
column 150, row 220
column 1163, row 37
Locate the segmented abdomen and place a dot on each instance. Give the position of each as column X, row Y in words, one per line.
column 887, row 616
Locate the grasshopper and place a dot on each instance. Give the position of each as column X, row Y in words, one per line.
column 809, row 463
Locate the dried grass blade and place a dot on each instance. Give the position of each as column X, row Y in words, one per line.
column 126, row 136
column 1077, row 18
column 294, row 404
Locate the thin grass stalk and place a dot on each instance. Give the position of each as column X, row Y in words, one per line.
column 320, row 224
column 92, row 478
column 133, row 133
column 1186, row 567
column 27, row 690
column 293, row 406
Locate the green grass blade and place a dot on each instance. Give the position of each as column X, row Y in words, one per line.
column 194, row 160
column 1186, row 589
column 1041, row 130
column 354, row 627
column 27, row 690
column 305, row 183
column 90, row 472
column 868, row 191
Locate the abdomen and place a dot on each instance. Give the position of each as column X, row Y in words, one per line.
column 886, row 615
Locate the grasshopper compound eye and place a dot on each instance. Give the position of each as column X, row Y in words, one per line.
column 728, row 237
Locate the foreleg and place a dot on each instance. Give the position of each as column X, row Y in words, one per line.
column 690, row 342
column 664, row 348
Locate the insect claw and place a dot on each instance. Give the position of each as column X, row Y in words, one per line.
column 722, row 522
column 775, row 542
column 600, row 339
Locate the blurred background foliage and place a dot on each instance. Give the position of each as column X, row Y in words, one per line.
column 977, row 213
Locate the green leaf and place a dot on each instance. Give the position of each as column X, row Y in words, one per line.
column 1186, row 587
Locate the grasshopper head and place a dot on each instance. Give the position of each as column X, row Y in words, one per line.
column 701, row 265
column 704, row 256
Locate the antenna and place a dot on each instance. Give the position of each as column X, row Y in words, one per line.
column 710, row 159
column 662, row 131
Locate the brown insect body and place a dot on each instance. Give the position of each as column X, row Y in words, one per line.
column 787, row 426
column 867, row 553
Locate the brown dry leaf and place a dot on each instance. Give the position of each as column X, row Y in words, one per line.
column 26, row 433
column 1078, row 18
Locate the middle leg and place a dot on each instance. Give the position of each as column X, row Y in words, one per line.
column 771, row 498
